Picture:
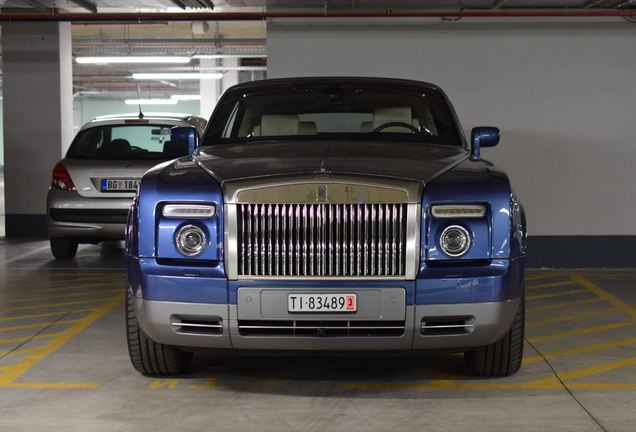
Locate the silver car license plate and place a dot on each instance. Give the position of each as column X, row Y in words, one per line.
column 314, row 302
column 119, row 185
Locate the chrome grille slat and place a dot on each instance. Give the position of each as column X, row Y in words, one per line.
column 321, row 239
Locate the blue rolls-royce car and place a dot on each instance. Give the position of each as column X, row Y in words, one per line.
column 327, row 215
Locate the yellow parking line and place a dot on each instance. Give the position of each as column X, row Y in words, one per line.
column 26, row 338
column 541, row 276
column 62, row 296
column 619, row 304
column 597, row 369
column 557, row 294
column 58, row 304
column 38, row 325
column 24, row 351
column 97, row 277
column 580, row 350
column 560, row 305
column 581, row 331
column 550, row 285
column 44, row 314
column 570, row 317
column 66, row 288
column 7, row 377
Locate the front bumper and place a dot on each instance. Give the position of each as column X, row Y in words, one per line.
column 425, row 327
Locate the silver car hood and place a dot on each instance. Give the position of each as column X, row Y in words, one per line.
column 412, row 161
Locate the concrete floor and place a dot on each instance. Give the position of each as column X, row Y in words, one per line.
column 64, row 365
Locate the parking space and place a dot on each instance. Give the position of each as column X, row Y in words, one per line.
column 64, row 365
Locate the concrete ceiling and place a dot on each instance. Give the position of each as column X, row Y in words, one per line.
column 190, row 27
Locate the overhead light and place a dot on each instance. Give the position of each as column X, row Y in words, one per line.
column 186, row 75
column 151, row 101
column 220, row 56
column 130, row 59
column 186, row 97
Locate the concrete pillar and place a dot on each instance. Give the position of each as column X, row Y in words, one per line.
column 209, row 92
column 38, row 118
column 231, row 77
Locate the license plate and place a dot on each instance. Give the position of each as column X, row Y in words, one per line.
column 119, row 185
column 308, row 302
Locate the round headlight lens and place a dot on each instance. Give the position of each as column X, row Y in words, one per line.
column 190, row 240
column 455, row 241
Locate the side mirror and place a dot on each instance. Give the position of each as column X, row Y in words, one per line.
column 483, row 136
column 184, row 137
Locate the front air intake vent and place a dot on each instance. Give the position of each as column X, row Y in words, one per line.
column 321, row 239
column 291, row 328
column 447, row 325
column 197, row 325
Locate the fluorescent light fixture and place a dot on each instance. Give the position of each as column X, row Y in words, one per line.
column 186, row 97
column 186, row 75
column 151, row 101
column 221, row 56
column 131, row 59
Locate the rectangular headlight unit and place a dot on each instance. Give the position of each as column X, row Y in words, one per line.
column 189, row 211
column 458, row 211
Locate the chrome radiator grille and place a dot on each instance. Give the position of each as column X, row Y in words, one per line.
column 321, row 239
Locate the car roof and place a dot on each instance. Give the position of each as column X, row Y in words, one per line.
column 147, row 116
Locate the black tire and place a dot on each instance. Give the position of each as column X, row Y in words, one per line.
column 150, row 357
column 503, row 357
column 63, row 248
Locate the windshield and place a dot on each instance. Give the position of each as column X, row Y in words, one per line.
column 140, row 141
column 334, row 111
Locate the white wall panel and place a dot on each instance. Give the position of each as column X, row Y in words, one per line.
column 562, row 93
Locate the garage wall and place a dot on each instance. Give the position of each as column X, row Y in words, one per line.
column 562, row 93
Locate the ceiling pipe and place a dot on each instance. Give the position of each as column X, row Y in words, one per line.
column 54, row 15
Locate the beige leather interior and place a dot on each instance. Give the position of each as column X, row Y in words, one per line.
column 279, row 125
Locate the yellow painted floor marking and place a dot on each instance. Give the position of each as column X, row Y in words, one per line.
column 570, row 317
column 550, row 285
column 210, row 383
column 26, row 338
column 97, row 277
column 582, row 331
column 598, row 369
column 619, row 304
column 58, row 304
column 66, row 288
column 559, row 294
column 25, row 351
column 38, row 325
column 541, row 276
column 560, row 305
column 63, row 296
column 580, row 350
column 7, row 377
column 44, row 315
column 160, row 383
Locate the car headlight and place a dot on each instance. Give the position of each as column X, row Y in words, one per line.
column 190, row 240
column 454, row 241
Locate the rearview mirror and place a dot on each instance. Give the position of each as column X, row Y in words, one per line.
column 483, row 136
column 184, row 137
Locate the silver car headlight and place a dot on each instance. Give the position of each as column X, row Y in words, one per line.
column 454, row 241
column 190, row 240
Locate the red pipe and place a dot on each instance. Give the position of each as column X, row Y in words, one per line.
column 226, row 16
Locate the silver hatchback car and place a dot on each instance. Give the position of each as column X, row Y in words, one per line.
column 93, row 186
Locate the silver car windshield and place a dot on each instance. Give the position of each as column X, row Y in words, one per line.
column 328, row 111
column 108, row 142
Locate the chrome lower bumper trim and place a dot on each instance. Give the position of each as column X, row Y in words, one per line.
column 485, row 324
